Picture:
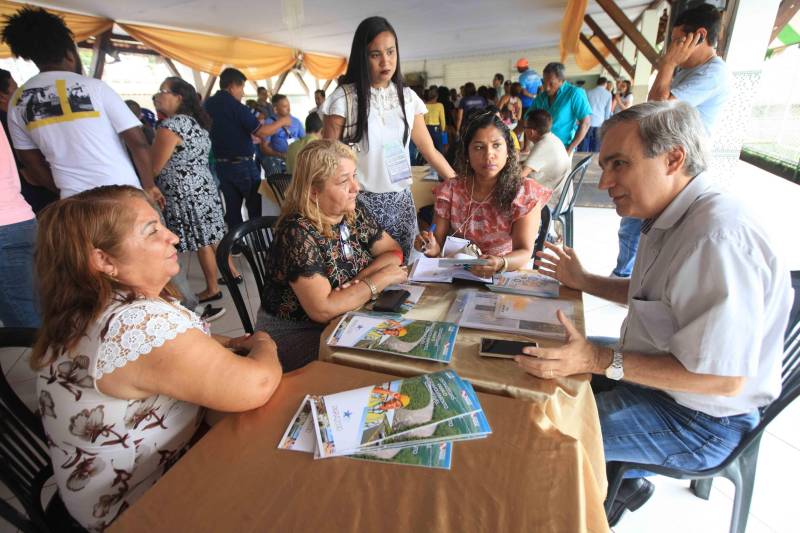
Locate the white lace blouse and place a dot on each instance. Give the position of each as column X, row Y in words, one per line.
column 107, row 452
column 385, row 121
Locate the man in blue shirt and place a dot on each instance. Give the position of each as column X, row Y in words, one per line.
column 530, row 81
column 233, row 124
column 567, row 104
column 690, row 71
column 600, row 100
column 275, row 147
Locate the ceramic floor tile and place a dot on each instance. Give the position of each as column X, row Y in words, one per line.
column 9, row 357
column 786, row 427
column 21, row 371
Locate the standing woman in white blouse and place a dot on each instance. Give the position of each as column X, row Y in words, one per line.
column 374, row 113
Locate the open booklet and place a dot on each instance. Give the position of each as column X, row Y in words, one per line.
column 394, row 413
column 526, row 282
column 420, row 339
column 448, row 267
column 477, row 309
column 300, row 437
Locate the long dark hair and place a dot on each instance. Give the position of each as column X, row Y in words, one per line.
column 358, row 74
column 190, row 102
column 509, row 180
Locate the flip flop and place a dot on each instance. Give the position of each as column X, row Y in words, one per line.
column 212, row 298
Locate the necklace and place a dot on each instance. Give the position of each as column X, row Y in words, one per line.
column 472, row 200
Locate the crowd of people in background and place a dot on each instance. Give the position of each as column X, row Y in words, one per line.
column 133, row 193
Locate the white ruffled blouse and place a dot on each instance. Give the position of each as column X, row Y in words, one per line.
column 107, row 452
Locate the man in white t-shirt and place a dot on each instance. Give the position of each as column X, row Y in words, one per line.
column 548, row 163
column 69, row 129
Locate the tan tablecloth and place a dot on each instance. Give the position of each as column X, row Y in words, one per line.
column 527, row 476
column 421, row 190
column 567, row 403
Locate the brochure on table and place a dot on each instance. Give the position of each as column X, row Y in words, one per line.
column 476, row 309
column 525, row 282
column 300, row 437
column 448, row 267
column 347, row 422
column 532, row 308
column 420, row 339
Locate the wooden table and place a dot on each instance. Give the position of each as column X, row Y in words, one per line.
column 422, row 190
column 527, row 476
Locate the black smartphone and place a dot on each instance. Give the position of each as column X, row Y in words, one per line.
column 391, row 301
column 503, row 348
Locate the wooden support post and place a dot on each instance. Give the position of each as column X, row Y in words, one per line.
column 173, row 70
column 596, row 53
column 209, row 85
column 598, row 31
column 101, row 46
column 279, row 83
column 786, row 12
column 627, row 27
column 199, row 86
column 327, row 84
column 302, row 81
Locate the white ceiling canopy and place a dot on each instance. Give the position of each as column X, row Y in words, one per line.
column 426, row 29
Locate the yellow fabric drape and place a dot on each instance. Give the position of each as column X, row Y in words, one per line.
column 585, row 59
column 83, row 26
column 325, row 67
column 212, row 53
column 571, row 26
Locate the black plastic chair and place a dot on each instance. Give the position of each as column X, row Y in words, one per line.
column 566, row 203
column 279, row 183
column 740, row 466
column 544, row 227
column 254, row 238
column 24, row 460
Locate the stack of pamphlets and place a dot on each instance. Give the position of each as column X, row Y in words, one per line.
column 510, row 313
column 525, row 282
column 444, row 270
column 412, row 421
column 420, row 339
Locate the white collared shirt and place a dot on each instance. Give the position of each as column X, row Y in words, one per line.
column 708, row 288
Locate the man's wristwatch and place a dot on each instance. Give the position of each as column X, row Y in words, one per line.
column 614, row 370
column 372, row 289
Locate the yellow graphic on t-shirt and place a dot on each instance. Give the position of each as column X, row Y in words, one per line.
column 40, row 106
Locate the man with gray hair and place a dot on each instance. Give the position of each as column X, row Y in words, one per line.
column 701, row 347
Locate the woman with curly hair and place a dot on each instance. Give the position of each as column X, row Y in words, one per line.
column 489, row 202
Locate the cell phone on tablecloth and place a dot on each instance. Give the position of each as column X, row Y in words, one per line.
column 391, row 301
column 502, row 348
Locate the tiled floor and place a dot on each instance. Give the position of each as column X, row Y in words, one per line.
column 673, row 507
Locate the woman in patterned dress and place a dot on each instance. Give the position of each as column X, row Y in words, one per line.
column 123, row 369
column 489, row 203
column 180, row 161
column 329, row 255
column 373, row 112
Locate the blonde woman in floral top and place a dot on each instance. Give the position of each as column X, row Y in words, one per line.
column 124, row 370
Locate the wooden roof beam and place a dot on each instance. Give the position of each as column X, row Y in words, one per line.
column 598, row 31
column 596, row 53
column 629, row 29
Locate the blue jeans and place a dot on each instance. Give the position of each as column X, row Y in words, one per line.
column 629, row 231
column 18, row 299
column 647, row 426
column 239, row 182
column 590, row 143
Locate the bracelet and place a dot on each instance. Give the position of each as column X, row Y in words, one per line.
column 372, row 289
column 505, row 265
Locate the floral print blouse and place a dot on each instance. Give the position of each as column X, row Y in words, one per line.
column 107, row 452
column 300, row 250
column 482, row 222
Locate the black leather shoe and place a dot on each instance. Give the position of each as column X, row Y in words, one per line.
column 238, row 279
column 633, row 493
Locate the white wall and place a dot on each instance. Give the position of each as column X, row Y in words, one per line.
column 480, row 69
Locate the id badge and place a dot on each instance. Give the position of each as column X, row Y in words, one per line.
column 398, row 166
column 290, row 141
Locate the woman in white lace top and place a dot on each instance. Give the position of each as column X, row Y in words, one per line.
column 124, row 370
column 373, row 112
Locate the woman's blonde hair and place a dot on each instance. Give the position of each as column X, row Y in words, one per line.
column 316, row 163
column 72, row 292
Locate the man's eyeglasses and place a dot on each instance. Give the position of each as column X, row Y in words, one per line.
column 344, row 234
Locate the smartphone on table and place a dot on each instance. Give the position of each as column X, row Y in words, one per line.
column 503, row 348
